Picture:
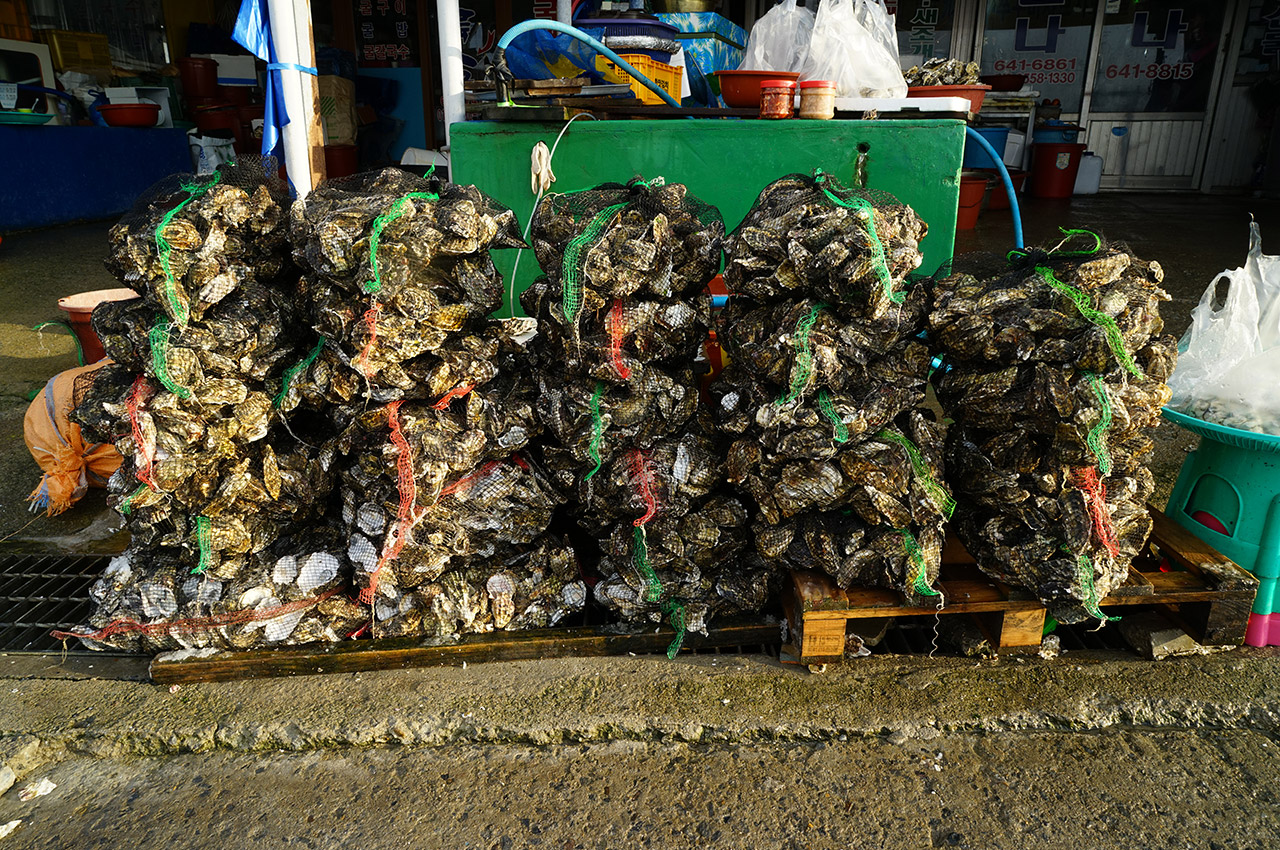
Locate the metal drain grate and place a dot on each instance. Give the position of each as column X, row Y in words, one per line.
column 39, row 593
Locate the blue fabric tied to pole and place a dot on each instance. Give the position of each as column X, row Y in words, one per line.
column 253, row 33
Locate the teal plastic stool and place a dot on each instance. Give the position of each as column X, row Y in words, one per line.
column 1234, row 478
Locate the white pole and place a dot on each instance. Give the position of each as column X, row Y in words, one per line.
column 451, row 82
column 291, row 34
column 564, row 11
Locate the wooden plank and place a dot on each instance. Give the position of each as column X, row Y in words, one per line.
column 821, row 640
column 1134, row 584
column 1021, row 629
column 1183, row 547
column 402, row 653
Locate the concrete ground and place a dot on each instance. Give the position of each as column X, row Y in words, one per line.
column 1087, row 749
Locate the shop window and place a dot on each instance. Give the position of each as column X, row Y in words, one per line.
column 1047, row 40
column 1158, row 55
column 924, row 29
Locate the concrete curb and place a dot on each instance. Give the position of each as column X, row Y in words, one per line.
column 709, row 700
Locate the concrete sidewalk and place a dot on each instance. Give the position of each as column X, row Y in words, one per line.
column 1090, row 749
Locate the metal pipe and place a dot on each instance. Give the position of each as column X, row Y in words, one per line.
column 451, row 76
column 555, row 26
column 288, row 49
column 1008, row 184
column 564, row 11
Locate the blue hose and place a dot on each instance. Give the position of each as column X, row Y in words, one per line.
column 1008, row 184
column 526, row 26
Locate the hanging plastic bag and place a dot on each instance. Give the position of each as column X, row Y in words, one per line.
column 780, row 40
column 860, row 61
column 70, row 467
column 1229, row 369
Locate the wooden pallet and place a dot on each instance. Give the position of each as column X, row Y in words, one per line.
column 404, row 653
column 1205, row 593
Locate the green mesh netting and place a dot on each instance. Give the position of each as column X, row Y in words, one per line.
column 126, row 504
column 181, row 313
column 1090, row 594
column 379, row 224
column 1097, row 437
column 918, row 578
column 937, row 492
column 803, row 366
column 597, row 430
column 158, row 336
column 1115, row 341
column 676, row 616
column 864, row 210
column 573, row 253
column 206, row 548
column 293, row 371
column 653, row 587
column 829, row 411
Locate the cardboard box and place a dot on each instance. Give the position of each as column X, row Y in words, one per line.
column 234, row 70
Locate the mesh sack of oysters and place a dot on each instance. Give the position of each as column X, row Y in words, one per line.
column 674, row 538
column 192, row 240
column 211, row 485
column 824, row 393
column 1057, row 364
column 622, row 311
column 943, row 72
column 398, row 276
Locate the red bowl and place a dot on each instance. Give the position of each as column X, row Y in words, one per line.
column 741, row 89
column 1005, row 82
column 973, row 94
column 130, row 114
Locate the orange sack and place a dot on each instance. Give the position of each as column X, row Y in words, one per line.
column 70, row 467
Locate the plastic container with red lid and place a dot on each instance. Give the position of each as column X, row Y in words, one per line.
column 818, row 99
column 777, row 98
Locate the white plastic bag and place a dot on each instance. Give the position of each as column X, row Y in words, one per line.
column 208, row 152
column 1229, row 369
column 780, row 40
column 852, row 47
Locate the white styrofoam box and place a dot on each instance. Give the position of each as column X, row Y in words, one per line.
column 897, row 104
column 121, row 94
column 1013, row 149
column 234, row 70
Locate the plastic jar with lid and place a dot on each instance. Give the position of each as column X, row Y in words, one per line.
column 817, row 99
column 777, row 98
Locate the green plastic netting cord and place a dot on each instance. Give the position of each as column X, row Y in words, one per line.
column 803, row 366
column 572, row 277
column 597, row 430
column 181, row 313
column 379, row 224
column 206, row 548
column 1097, row 437
column 676, row 616
column 293, row 371
column 937, row 492
column 126, row 505
column 828, row 410
column 1115, row 340
column 653, row 587
column 919, row 579
column 158, row 336
column 1085, row 567
column 863, row 209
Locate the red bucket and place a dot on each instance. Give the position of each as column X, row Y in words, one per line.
column 199, row 76
column 973, row 188
column 1054, row 168
column 999, row 199
column 79, row 309
column 341, row 161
